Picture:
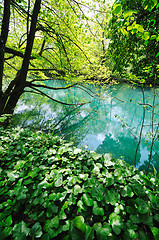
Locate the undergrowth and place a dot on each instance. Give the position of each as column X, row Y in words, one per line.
column 52, row 190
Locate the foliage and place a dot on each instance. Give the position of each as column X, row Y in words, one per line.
column 40, row 40
column 135, row 39
column 51, row 190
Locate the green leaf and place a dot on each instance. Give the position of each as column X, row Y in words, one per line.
column 77, row 189
column 97, row 210
column 145, row 36
column 98, row 192
column 157, row 54
column 127, row 192
column 155, row 232
column 130, row 234
column 6, row 232
column 55, row 222
column 140, row 28
column 87, row 199
column 59, row 180
column 102, row 232
column 8, row 220
column 78, row 222
column 20, row 231
column 77, row 150
column 36, row 230
column 141, row 206
column 117, row 8
column 111, row 197
column 116, row 223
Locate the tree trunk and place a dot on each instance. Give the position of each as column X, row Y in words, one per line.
column 3, row 39
column 16, row 87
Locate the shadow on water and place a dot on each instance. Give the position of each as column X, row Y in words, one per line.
column 111, row 123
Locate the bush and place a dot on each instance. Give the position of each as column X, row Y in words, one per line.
column 51, row 190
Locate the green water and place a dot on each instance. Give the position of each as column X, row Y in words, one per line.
column 110, row 123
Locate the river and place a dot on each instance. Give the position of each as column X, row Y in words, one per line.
column 109, row 123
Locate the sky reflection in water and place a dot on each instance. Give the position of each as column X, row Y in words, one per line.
column 110, row 124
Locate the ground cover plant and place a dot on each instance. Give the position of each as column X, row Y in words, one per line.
column 52, row 190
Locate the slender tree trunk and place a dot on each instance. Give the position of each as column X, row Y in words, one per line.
column 3, row 39
column 16, row 88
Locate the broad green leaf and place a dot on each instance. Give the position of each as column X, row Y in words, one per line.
column 130, row 234
column 77, row 189
column 145, row 36
column 102, row 232
column 98, row 210
column 117, row 8
column 8, row 220
column 111, row 197
column 155, row 232
column 20, row 231
column 142, row 206
column 127, row 192
column 58, row 180
column 140, row 28
column 98, row 192
column 89, row 235
column 36, row 230
column 128, row 14
column 87, row 199
column 78, row 222
column 116, row 223
column 51, row 209
column 6, row 232
column 54, row 222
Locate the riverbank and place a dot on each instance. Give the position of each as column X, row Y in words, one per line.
column 52, row 190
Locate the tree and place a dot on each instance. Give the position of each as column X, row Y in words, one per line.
column 41, row 39
column 135, row 39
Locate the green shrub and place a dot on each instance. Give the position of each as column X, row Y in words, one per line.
column 51, row 190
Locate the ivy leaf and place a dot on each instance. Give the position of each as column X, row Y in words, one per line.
column 77, row 189
column 87, row 199
column 97, row 210
column 102, row 232
column 36, row 230
column 111, row 197
column 127, row 192
column 116, row 223
column 141, row 206
column 8, row 220
column 78, row 222
column 58, row 180
column 20, row 231
column 155, row 232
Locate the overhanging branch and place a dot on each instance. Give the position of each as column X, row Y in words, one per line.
column 64, row 103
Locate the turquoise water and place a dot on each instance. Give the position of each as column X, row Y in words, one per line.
column 109, row 123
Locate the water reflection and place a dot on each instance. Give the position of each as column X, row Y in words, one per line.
column 110, row 123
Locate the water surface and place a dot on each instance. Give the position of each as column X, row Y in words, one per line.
column 109, row 123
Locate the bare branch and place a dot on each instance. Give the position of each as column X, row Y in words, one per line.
column 64, row 103
column 49, row 87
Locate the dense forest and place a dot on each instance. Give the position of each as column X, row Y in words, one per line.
column 50, row 189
